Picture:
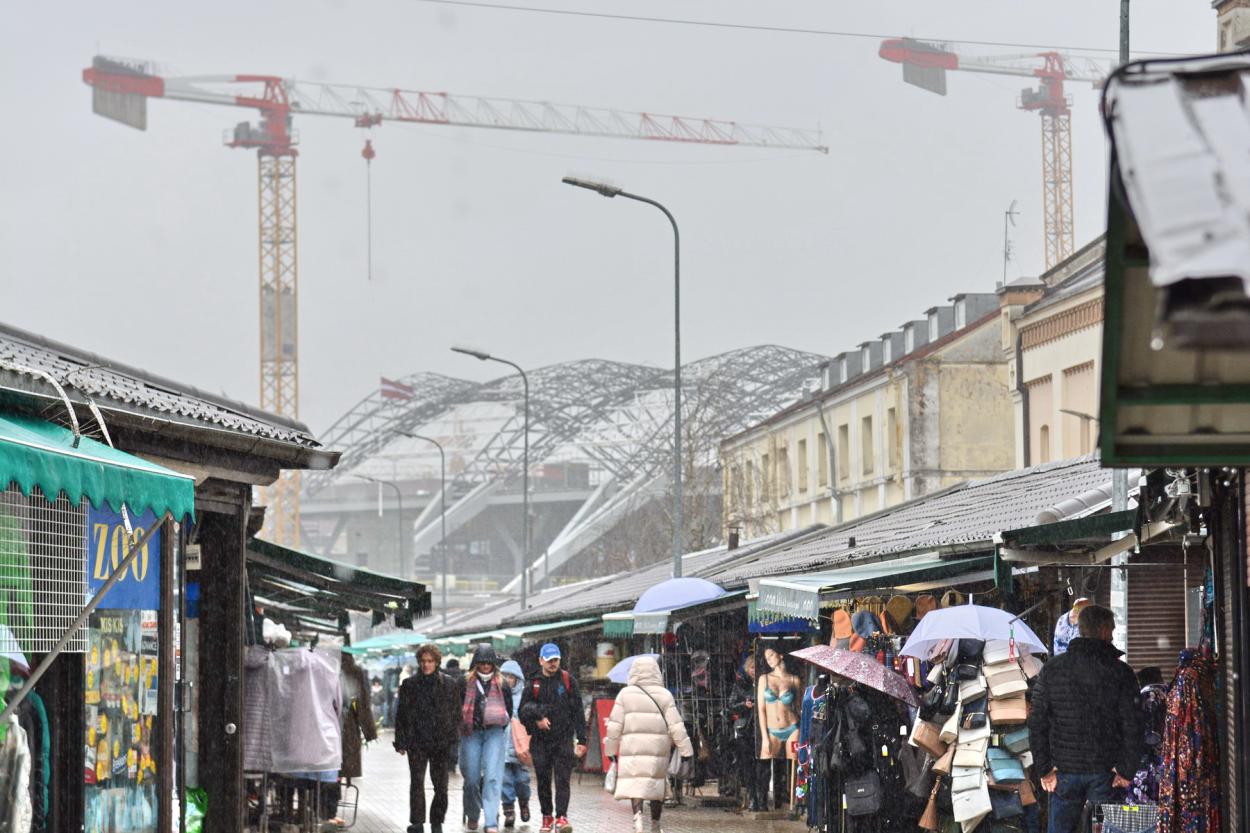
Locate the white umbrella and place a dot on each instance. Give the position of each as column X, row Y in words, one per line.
column 970, row 622
column 620, row 671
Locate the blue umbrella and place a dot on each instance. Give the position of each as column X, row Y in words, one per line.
column 620, row 671
column 677, row 593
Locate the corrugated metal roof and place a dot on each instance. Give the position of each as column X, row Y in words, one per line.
column 115, row 385
column 1091, row 276
column 490, row 616
column 620, row 592
column 964, row 516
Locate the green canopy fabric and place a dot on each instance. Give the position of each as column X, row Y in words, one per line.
column 511, row 639
column 34, row 452
column 387, row 642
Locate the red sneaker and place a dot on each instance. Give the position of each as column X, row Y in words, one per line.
column 548, row 821
column 563, row 826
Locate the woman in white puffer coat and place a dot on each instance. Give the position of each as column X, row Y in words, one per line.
column 642, row 730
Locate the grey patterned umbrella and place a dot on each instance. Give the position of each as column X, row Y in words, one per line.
column 861, row 668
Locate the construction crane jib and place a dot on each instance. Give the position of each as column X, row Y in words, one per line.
column 925, row 64
column 121, row 89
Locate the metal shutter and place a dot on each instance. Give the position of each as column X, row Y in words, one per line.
column 1156, row 605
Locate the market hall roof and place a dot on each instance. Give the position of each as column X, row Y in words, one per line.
column 961, row 519
column 159, row 405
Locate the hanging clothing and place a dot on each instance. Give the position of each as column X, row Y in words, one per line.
column 1154, row 706
column 305, row 701
column 41, row 762
column 1189, row 779
column 15, row 808
column 357, row 715
column 257, row 730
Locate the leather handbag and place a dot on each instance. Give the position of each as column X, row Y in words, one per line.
column 931, row 701
column 1031, row 665
column 1027, row 796
column 950, row 699
column 521, row 742
column 950, row 729
column 971, row 753
column 970, row 650
column 974, row 714
column 996, row 650
column 1016, row 741
column 967, row 778
column 1010, row 711
column 971, row 735
column 971, row 689
column 927, row 736
column 944, row 764
column 1007, row 805
column 1007, row 683
column 863, row 794
column 965, row 671
column 936, row 674
column 929, row 819
column 1005, row 767
column 992, row 668
column 972, row 804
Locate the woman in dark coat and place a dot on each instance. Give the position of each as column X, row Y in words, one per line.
column 357, row 715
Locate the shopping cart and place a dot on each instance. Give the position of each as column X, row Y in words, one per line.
column 1129, row 818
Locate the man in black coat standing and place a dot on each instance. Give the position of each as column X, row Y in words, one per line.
column 1085, row 722
column 551, row 709
column 426, row 726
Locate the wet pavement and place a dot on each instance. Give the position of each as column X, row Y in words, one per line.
column 384, row 805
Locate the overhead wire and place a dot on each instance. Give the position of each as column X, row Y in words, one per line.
column 789, row 30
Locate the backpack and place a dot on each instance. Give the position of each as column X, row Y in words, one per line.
column 537, row 683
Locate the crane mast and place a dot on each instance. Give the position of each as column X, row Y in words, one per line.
column 925, row 64
column 121, row 89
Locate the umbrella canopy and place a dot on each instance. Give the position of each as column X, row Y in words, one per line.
column 677, row 593
column 970, row 622
column 861, row 668
column 620, row 671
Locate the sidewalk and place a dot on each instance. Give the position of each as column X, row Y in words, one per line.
column 384, row 805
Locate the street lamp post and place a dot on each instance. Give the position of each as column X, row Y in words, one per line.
column 482, row 355
column 612, row 191
column 399, row 499
column 442, row 495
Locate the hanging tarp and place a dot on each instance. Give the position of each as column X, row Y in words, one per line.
column 35, row 453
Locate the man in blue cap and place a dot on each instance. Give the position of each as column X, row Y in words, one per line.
column 551, row 709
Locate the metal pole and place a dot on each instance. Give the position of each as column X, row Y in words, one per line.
column 525, row 483
column 442, row 515
column 1123, row 32
column 677, row 458
column 1119, row 477
column 404, row 568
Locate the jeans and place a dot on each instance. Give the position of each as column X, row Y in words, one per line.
column 481, row 765
column 418, row 759
column 516, row 784
column 1070, row 795
column 553, row 761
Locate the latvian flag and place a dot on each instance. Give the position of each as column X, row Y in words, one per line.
column 396, row 390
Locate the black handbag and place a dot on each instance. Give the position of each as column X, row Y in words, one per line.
column 966, row 671
column 950, row 700
column 975, row 713
column 931, row 702
column 1007, row 805
column 970, row 650
column 863, row 794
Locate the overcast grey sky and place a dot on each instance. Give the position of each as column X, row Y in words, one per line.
column 143, row 246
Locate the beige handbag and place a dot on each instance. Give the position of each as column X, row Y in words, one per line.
column 950, row 729
column 1009, row 711
column 946, row 763
column 1031, row 665
column 972, row 689
column 1007, row 684
column 972, row 804
column 927, row 736
column 971, row 753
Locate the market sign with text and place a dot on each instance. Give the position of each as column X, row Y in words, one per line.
column 107, row 543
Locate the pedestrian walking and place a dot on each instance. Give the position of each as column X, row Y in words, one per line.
column 426, row 722
column 551, row 709
column 485, row 723
column 516, row 775
column 1085, row 722
column 453, row 669
column 642, row 730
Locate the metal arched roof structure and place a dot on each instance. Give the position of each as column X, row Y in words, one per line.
column 613, row 416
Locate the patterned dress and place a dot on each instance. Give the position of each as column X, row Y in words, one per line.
column 1189, row 776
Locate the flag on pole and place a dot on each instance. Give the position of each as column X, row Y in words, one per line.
column 396, row 390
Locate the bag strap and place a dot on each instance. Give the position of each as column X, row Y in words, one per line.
column 657, row 704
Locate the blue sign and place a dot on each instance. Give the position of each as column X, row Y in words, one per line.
column 107, row 544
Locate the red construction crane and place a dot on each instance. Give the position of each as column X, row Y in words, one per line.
column 925, row 65
column 121, row 89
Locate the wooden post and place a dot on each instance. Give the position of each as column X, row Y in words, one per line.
column 166, row 727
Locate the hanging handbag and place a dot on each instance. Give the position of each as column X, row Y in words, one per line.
column 974, row 714
column 965, row 671
column 521, row 742
column 950, row 697
column 971, row 753
column 1010, row 711
column 931, row 701
column 970, row 650
column 1016, row 741
column 1006, row 768
column 863, row 794
column 965, row 778
column 944, row 764
column 972, row 804
column 1007, row 683
column 929, row 819
column 1007, row 805
column 1027, row 796
column 936, row 674
column 927, row 736
column 996, row 651
column 609, row 779
column 971, row 689
column 950, row 729
column 1030, row 665
column 678, row 767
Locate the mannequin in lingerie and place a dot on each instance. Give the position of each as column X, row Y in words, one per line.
column 779, row 697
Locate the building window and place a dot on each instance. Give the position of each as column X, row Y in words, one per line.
column 822, row 461
column 783, row 471
column 842, row 373
column 887, row 352
column 865, row 436
column 766, row 477
column 961, row 314
column 748, row 489
column 933, row 326
column 802, row 465
column 1043, row 444
column 735, row 488
column 892, row 439
column 909, row 339
column 844, row 452
column 865, row 358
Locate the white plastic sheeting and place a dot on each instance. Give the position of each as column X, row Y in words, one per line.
column 304, row 705
column 1181, row 131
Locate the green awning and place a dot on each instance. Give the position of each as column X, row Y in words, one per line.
column 512, row 638
column 799, row 597
column 399, row 640
column 618, row 624
column 1094, row 530
column 36, row 453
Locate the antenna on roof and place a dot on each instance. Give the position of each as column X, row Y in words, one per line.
column 1009, row 221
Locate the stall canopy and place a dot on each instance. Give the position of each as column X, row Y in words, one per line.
column 656, row 621
column 299, row 589
column 799, row 597
column 399, row 641
column 510, row 639
column 35, row 453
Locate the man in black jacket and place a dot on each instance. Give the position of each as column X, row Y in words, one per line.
column 1085, row 722
column 551, row 709
column 426, row 725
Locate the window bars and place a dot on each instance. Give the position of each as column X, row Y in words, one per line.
column 42, row 573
